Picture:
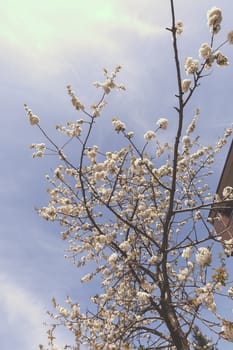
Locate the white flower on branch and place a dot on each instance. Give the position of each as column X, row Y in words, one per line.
column 162, row 123
column 179, row 27
column 230, row 37
column 205, row 296
column 143, row 296
column 186, row 85
column 33, row 118
column 187, row 253
column 113, row 259
column 214, row 19
column 205, row 51
column 203, row 256
column 230, row 291
column 149, row 135
column 191, row 65
column 221, row 59
column 227, row 330
column 40, row 149
column 74, row 99
column 118, row 125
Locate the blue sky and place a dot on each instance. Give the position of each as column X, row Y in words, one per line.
column 46, row 45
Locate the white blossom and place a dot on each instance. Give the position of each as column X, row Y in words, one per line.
column 143, row 296
column 186, row 85
column 162, row 123
column 230, row 37
column 227, row 330
column 221, row 59
column 34, row 119
column 179, row 27
column 187, row 253
column 118, row 125
column 214, row 18
column 86, row 278
column 203, row 256
column 205, row 51
column 113, row 258
column 149, row 135
column 230, row 291
column 191, row 65
column 186, row 140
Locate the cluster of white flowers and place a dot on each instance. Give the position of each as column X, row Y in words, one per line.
column 214, row 19
column 40, row 149
column 143, row 296
column 227, row 330
column 149, row 135
column 74, row 99
column 203, row 257
column 191, row 65
column 205, row 296
column 187, row 253
column 230, row 37
column 33, row 119
column 192, row 126
column 72, row 129
column 110, row 83
column 230, row 291
column 113, row 259
column 97, row 108
column 228, row 247
column 162, row 123
column 118, row 125
column 221, row 59
column 114, row 209
column 185, row 85
column 87, row 278
column 179, row 27
column 205, row 51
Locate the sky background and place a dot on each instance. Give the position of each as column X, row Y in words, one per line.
column 46, row 45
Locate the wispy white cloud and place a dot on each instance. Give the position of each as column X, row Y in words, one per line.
column 21, row 315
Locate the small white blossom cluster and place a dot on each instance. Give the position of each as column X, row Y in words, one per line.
column 214, row 19
column 110, row 83
column 205, row 296
column 97, row 108
column 192, row 126
column 230, row 37
column 72, row 129
column 186, row 85
column 230, row 291
column 162, row 123
column 33, row 119
column 228, row 247
column 227, row 330
column 191, row 65
column 118, row 125
column 206, row 51
column 149, row 135
column 39, row 149
column 74, row 99
column 179, row 27
column 187, row 253
column 203, row 257
column 223, row 140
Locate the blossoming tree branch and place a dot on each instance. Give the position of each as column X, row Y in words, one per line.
column 137, row 217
